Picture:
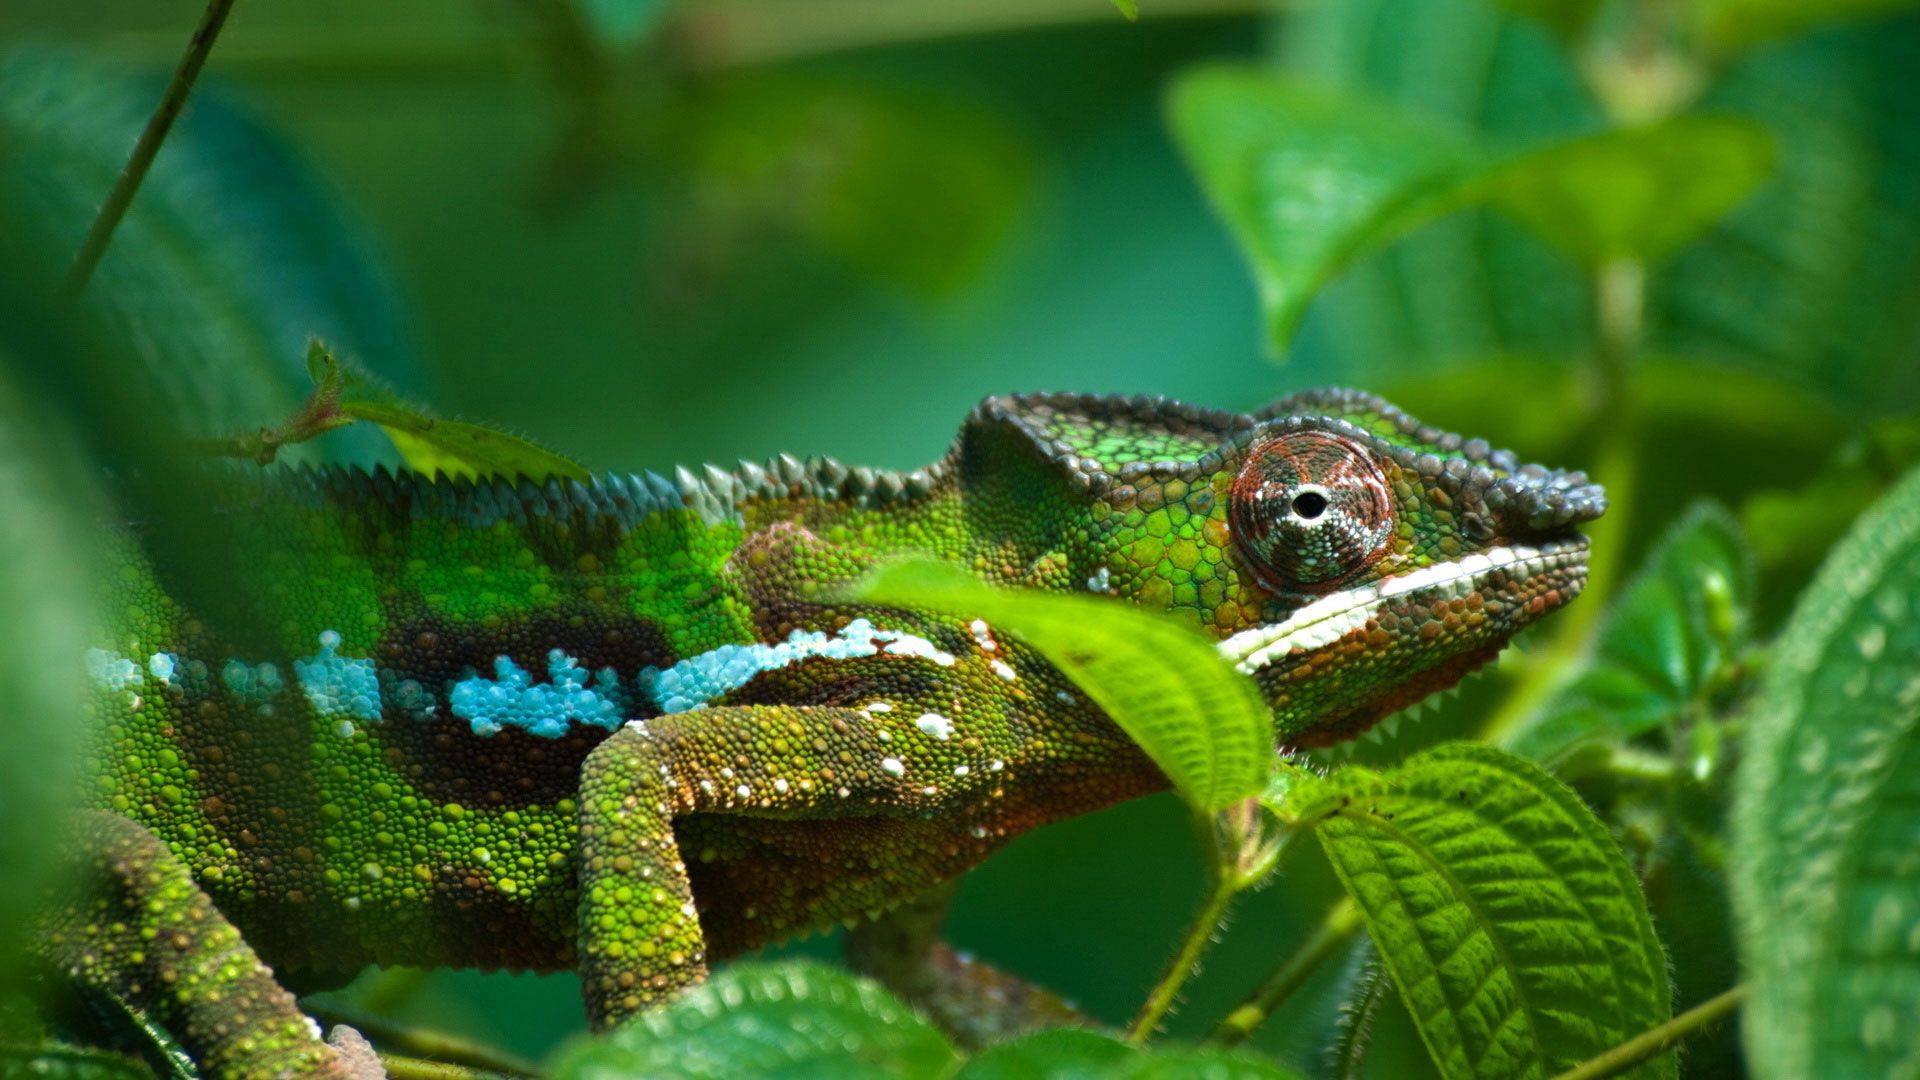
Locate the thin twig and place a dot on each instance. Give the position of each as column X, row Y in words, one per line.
column 1657, row 1039
column 164, row 114
column 1334, row 931
column 1167, row 990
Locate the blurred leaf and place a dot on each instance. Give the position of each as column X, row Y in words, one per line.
column 1164, row 683
column 1567, row 18
column 55, row 1061
column 233, row 254
column 1731, row 25
column 1672, row 630
column 622, row 24
column 1308, row 179
column 1509, row 921
column 1128, row 8
column 1826, row 809
column 796, row 1019
column 1636, row 193
column 50, row 515
column 1060, row 1054
column 1069, row 1054
column 1811, row 280
column 897, row 182
column 1801, row 524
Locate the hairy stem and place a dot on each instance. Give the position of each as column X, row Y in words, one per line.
column 100, row 234
column 1334, row 931
column 1656, row 1040
column 1220, row 896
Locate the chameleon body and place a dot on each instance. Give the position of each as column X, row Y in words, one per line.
column 627, row 728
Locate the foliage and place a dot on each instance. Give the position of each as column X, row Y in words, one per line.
column 1163, row 683
column 1503, row 911
column 1669, row 242
column 1825, row 817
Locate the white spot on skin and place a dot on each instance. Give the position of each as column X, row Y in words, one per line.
column 878, row 706
column 929, row 790
column 1099, row 581
column 961, row 770
column 1004, row 670
column 780, row 785
column 706, row 786
column 743, row 791
column 1064, row 698
column 886, row 736
column 892, row 767
column 979, row 832
column 983, row 634
column 935, row 725
column 844, row 793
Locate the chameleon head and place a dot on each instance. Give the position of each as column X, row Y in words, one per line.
column 1391, row 558
column 1349, row 558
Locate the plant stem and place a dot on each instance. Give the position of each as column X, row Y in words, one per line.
column 1654, row 1040
column 408, row 1068
column 1334, row 931
column 423, row 1042
column 144, row 151
column 1620, row 291
column 732, row 33
column 1221, row 894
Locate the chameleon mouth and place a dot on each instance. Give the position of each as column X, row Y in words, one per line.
column 1508, row 575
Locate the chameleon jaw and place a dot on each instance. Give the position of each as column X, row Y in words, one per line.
column 1336, row 615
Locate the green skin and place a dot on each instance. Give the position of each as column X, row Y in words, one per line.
column 848, row 781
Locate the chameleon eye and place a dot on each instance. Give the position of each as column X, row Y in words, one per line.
column 1310, row 510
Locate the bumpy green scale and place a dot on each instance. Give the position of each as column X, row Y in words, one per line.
column 628, row 728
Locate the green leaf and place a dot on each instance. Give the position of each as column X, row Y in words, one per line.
column 1800, row 525
column 1504, row 911
column 458, row 448
column 1639, row 193
column 1308, row 179
column 50, row 515
column 1809, row 281
column 622, row 24
column 1732, row 25
column 1664, row 645
column 232, row 256
column 56, row 1061
column 1826, row 809
column 1068, row 1054
column 1128, row 8
column 1060, row 1054
column 793, row 1019
column 1163, row 682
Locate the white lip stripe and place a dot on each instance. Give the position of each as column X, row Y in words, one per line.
column 1330, row 618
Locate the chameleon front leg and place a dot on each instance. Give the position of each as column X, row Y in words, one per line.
column 639, row 938
column 974, row 1002
column 141, row 929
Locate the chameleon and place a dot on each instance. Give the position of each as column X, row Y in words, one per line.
column 631, row 727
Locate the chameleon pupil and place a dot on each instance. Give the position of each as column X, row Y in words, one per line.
column 1310, row 510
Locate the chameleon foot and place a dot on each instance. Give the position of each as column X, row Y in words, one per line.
column 142, row 930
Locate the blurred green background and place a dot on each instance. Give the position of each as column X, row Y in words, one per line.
column 731, row 228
